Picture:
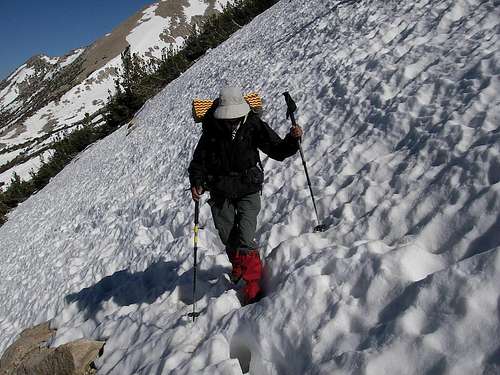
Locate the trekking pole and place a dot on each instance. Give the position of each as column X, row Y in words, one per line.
column 291, row 108
column 194, row 314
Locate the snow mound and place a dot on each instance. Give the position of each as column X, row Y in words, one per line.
column 400, row 107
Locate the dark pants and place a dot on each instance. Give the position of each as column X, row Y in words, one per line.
column 236, row 221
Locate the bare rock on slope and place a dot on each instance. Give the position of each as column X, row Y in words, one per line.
column 29, row 340
column 29, row 354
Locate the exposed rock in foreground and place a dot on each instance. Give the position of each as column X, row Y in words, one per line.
column 29, row 354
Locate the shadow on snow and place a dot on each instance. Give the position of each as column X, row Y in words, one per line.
column 126, row 288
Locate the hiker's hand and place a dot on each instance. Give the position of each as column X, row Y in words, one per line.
column 197, row 192
column 296, row 132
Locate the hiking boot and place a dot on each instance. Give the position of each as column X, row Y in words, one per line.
column 251, row 274
column 247, row 266
column 237, row 271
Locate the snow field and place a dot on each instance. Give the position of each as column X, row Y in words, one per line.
column 399, row 103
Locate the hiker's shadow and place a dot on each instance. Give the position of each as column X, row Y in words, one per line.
column 209, row 283
column 126, row 288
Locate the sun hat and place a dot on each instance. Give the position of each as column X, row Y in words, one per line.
column 231, row 104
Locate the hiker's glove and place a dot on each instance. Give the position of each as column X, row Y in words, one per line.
column 296, row 132
column 196, row 192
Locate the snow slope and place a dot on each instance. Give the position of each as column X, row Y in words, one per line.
column 400, row 105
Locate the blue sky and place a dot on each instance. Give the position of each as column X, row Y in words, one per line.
column 54, row 27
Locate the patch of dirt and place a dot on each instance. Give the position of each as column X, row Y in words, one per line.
column 50, row 124
column 179, row 25
column 108, row 47
column 18, row 130
column 102, row 75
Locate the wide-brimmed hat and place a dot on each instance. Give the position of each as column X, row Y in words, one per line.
column 231, row 104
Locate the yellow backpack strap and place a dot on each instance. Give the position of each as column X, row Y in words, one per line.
column 200, row 107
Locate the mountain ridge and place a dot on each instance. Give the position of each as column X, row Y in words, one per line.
column 56, row 95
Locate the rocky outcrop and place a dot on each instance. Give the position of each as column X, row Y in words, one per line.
column 29, row 341
column 30, row 355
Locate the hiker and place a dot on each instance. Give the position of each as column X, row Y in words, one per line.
column 226, row 162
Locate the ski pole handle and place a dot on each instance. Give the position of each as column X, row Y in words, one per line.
column 292, row 117
column 291, row 107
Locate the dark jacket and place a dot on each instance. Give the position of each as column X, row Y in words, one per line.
column 231, row 168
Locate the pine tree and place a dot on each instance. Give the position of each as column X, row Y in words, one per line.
column 17, row 192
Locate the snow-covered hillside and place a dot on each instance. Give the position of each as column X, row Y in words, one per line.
column 29, row 107
column 400, row 105
column 38, row 68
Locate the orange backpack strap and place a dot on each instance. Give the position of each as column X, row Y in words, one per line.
column 254, row 100
column 200, row 107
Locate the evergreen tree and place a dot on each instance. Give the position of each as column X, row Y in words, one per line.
column 17, row 192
